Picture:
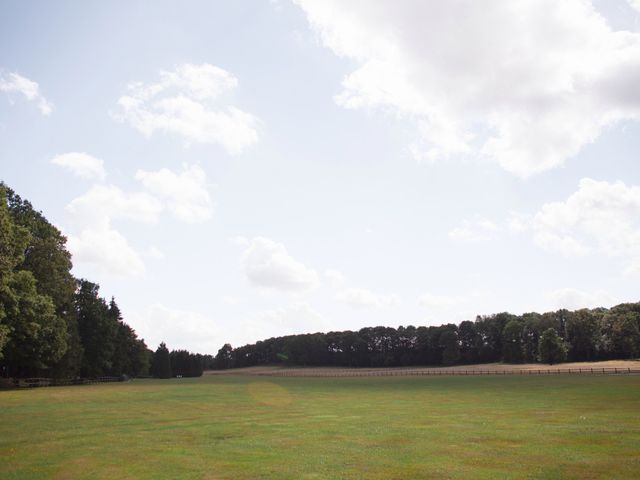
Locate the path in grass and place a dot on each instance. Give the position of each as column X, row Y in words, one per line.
column 226, row 427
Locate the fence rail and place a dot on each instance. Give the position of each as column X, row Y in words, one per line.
column 304, row 372
column 57, row 382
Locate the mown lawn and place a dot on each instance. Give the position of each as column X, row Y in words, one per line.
column 384, row 428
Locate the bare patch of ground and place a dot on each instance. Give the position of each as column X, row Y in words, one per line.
column 606, row 367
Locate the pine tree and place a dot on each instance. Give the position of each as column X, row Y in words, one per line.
column 161, row 365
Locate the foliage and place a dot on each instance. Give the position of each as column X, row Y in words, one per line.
column 552, row 348
column 598, row 334
column 161, row 363
column 186, row 364
column 50, row 323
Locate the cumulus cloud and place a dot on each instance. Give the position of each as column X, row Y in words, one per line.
column 110, row 202
column 267, row 264
column 184, row 194
column 334, row 277
column 15, row 83
column 635, row 4
column 107, row 249
column 155, row 253
column 574, row 299
column 363, row 298
column 440, row 302
column 187, row 101
column 98, row 243
column 473, row 231
column 82, row 165
column 179, row 328
column 600, row 217
column 95, row 240
column 526, row 83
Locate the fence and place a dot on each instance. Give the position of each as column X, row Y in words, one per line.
column 304, row 372
column 57, row 382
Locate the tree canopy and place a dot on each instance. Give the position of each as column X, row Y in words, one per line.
column 598, row 334
column 50, row 322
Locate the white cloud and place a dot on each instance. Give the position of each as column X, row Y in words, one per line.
column 81, row 164
column 107, row 249
column 363, row 298
column 110, row 202
column 179, row 329
column 15, row 83
column 185, row 194
column 635, row 4
column 479, row 230
column 440, row 302
column 599, row 217
column 98, row 243
column 155, row 253
column 526, row 83
column 186, row 101
column 335, row 278
column 267, row 264
column 92, row 215
column 573, row 299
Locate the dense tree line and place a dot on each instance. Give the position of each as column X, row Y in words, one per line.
column 179, row 363
column 552, row 337
column 52, row 324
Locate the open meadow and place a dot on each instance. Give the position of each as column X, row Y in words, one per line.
column 247, row 427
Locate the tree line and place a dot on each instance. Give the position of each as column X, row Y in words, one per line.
column 55, row 325
column 52, row 324
column 552, row 337
column 179, row 363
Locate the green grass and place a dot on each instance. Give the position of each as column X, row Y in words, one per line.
column 383, row 428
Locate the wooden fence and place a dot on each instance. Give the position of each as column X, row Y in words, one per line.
column 56, row 382
column 309, row 372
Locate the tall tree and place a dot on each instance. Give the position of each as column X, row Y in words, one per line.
column 48, row 260
column 450, row 347
column 552, row 348
column 97, row 330
column 32, row 337
column 161, row 363
column 37, row 336
column 13, row 242
column 512, row 341
column 581, row 333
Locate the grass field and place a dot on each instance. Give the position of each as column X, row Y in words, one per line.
column 244, row 427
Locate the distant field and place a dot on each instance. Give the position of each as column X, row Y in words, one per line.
column 608, row 366
column 248, row 427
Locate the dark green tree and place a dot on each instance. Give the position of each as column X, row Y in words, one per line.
column 552, row 349
column 13, row 242
column 37, row 337
column 581, row 333
column 161, row 363
column 512, row 342
column 450, row 347
column 224, row 357
column 48, row 260
column 97, row 330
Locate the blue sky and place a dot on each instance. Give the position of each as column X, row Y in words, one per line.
column 231, row 171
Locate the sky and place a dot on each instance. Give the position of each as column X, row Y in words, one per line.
column 233, row 171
